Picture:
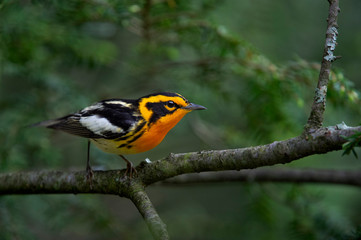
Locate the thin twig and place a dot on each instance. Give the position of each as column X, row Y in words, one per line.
column 315, row 119
column 285, row 175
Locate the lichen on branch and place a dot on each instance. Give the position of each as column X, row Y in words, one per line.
column 315, row 119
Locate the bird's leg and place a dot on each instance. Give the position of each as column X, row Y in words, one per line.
column 89, row 171
column 130, row 169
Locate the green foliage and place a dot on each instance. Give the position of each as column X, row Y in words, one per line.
column 352, row 142
column 59, row 56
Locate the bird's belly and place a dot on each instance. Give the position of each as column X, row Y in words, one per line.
column 145, row 143
column 112, row 146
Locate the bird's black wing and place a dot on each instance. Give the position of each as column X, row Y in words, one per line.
column 108, row 119
column 69, row 124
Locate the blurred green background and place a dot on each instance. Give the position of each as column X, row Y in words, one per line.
column 253, row 64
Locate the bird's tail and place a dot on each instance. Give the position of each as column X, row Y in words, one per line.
column 53, row 123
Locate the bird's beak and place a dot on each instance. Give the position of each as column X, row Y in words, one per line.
column 193, row 106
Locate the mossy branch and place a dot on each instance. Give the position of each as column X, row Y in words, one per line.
column 112, row 182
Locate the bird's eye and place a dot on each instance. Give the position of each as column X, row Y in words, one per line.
column 170, row 104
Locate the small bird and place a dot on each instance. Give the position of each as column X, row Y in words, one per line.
column 125, row 126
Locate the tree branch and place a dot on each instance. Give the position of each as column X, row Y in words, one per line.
column 321, row 141
column 48, row 182
column 111, row 182
column 319, row 103
column 285, row 175
column 146, row 208
column 106, row 182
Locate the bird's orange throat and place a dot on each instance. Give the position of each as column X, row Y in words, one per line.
column 156, row 132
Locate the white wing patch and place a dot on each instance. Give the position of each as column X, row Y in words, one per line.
column 124, row 104
column 99, row 125
column 93, row 107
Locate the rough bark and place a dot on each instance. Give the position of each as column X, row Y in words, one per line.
column 319, row 102
column 113, row 182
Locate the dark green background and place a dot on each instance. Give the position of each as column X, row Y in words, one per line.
column 253, row 64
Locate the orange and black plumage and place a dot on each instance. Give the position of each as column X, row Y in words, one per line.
column 126, row 126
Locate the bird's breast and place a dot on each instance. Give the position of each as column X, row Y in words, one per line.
column 155, row 133
column 144, row 139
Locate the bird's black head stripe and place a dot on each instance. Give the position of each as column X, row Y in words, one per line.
column 158, row 110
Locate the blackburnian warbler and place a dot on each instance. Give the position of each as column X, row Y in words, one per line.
column 124, row 126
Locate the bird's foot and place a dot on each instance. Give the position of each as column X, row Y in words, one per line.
column 131, row 171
